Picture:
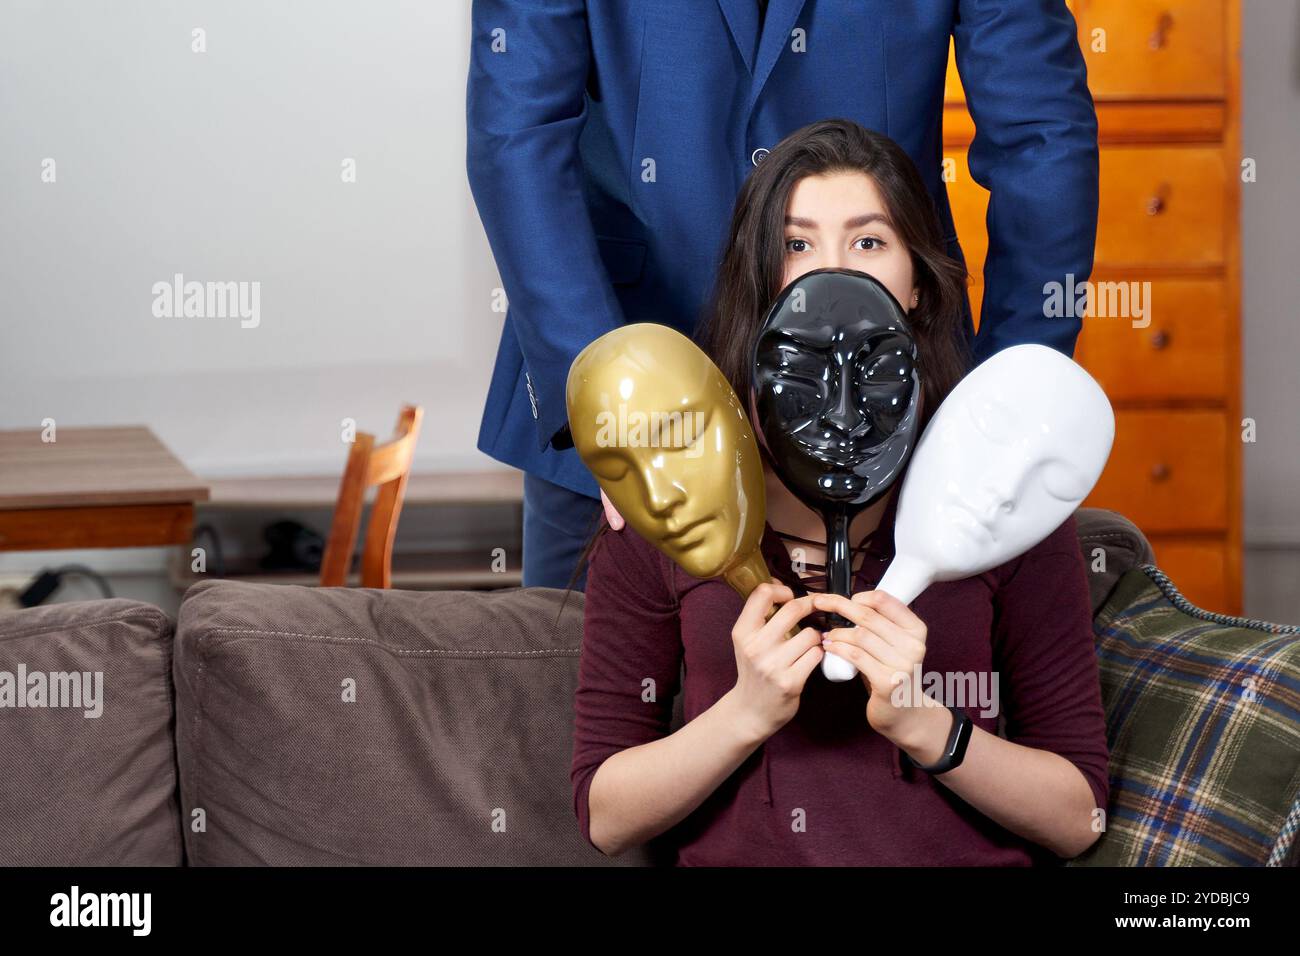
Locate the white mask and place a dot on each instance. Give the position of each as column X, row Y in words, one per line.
column 1008, row 457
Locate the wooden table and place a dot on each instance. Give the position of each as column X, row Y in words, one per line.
column 93, row 488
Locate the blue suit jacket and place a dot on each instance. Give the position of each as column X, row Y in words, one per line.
column 607, row 140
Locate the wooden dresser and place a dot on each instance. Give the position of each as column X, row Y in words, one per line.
column 1168, row 93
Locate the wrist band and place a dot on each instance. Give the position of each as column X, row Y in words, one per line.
column 954, row 750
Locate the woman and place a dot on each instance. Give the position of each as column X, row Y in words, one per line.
column 776, row 765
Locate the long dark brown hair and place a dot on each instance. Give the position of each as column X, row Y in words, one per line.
column 752, row 270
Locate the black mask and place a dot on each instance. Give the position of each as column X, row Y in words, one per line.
column 836, row 389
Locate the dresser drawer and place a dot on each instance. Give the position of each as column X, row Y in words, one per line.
column 1178, row 349
column 1145, row 50
column 1161, row 205
column 1168, row 470
column 1199, row 569
column 1154, row 49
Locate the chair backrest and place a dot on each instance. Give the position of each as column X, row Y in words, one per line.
column 386, row 466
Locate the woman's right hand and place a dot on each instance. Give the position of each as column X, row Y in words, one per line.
column 771, row 669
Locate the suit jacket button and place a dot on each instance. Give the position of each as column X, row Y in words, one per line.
column 758, row 155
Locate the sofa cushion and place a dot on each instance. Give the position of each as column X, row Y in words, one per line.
column 358, row 726
column 88, row 781
column 1203, row 724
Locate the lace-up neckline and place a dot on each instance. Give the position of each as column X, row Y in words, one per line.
column 819, row 576
column 877, row 545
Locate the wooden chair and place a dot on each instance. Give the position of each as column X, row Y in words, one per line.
column 386, row 466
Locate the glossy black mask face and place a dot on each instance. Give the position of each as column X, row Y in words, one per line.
column 836, row 389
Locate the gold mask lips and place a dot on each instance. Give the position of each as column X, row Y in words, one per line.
column 667, row 439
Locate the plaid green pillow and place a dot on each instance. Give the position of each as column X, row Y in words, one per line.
column 1203, row 723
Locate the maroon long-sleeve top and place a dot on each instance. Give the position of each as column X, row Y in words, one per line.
column 827, row 789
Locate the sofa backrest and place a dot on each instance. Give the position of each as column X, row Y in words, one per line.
column 1111, row 545
column 353, row 726
column 89, row 763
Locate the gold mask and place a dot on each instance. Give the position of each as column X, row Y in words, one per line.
column 666, row 437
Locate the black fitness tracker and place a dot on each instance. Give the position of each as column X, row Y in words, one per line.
column 955, row 750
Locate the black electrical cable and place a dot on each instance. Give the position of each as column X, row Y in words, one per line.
column 84, row 571
column 49, row 580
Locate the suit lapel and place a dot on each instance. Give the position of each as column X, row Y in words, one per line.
column 742, row 21
column 780, row 19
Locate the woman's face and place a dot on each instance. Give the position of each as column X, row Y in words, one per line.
column 839, row 221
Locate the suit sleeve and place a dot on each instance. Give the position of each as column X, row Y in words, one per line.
column 525, row 109
column 630, row 667
column 1045, row 653
column 1035, row 150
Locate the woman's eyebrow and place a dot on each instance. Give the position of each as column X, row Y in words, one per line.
column 854, row 223
column 867, row 219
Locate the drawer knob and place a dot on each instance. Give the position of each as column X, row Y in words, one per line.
column 1163, row 25
column 1156, row 204
column 1160, row 340
column 1159, row 471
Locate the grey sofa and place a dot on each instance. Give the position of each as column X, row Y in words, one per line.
column 286, row 725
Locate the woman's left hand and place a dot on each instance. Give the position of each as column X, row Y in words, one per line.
column 887, row 639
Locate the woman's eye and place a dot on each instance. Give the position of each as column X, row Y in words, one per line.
column 796, row 245
column 878, row 243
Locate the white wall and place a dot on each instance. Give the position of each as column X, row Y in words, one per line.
column 1270, row 209
column 226, row 166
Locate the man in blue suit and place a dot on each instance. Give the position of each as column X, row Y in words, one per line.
column 607, row 140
